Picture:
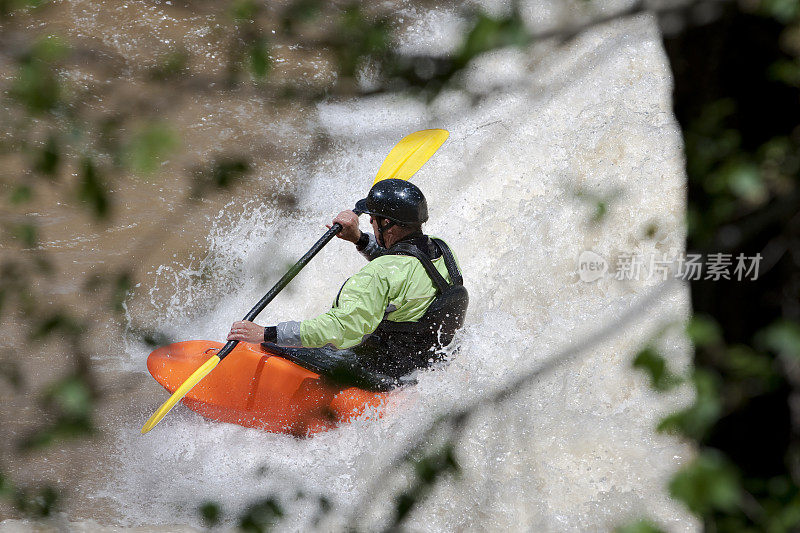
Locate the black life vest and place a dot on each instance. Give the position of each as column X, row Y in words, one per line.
column 398, row 348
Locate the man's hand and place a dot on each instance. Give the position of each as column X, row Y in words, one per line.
column 247, row 332
column 349, row 222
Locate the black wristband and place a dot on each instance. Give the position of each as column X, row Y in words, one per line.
column 271, row 334
column 362, row 241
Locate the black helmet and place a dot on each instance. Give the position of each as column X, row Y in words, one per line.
column 397, row 200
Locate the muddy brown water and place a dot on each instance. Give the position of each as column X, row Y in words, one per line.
column 153, row 221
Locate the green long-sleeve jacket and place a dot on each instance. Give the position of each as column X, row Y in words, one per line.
column 394, row 287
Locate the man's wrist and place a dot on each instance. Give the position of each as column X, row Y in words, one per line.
column 362, row 241
column 271, row 334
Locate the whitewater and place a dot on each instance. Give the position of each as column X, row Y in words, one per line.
column 538, row 140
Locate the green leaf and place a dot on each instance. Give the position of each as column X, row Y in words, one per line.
column 260, row 62
column 784, row 514
column 244, row 10
column 27, row 234
column 786, row 71
column 71, row 397
column 152, row 338
column 36, row 87
column 221, row 174
column 50, row 48
column 650, row 361
column 21, row 194
column 10, row 371
column 703, row 330
column 122, row 287
column 785, row 11
column 43, row 264
column 744, row 180
column 746, row 363
column 709, row 483
column 490, row 33
column 70, row 404
column 428, row 469
column 300, row 11
column 642, row 526
column 92, row 190
column 211, row 513
column 359, row 38
column 40, row 505
column 36, row 84
column 56, row 322
column 262, row 516
column 63, row 428
column 600, row 211
column 782, row 337
column 48, row 158
column 695, row 421
column 149, row 148
column 171, row 65
column 6, row 487
column 404, row 503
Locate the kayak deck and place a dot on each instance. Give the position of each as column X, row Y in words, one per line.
column 254, row 388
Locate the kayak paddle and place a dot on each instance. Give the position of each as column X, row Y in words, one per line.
column 406, row 158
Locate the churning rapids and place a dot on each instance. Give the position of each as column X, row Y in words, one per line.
column 514, row 192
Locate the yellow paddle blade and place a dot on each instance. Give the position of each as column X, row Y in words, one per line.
column 410, row 154
column 198, row 374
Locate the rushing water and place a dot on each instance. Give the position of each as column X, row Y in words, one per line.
column 575, row 450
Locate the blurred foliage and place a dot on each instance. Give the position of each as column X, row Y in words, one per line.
column 211, row 513
column 261, row 516
column 39, row 503
column 655, row 365
column 743, row 163
column 427, row 76
column 171, row 66
column 149, row 147
column 695, row 421
column 359, row 40
column 221, row 173
column 709, row 483
column 249, row 50
column 642, row 526
column 428, row 469
column 70, row 402
column 36, row 84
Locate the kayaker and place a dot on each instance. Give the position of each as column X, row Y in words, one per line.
column 390, row 318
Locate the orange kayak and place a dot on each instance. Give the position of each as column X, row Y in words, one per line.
column 254, row 388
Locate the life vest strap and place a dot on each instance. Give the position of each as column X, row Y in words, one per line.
column 449, row 262
column 403, row 248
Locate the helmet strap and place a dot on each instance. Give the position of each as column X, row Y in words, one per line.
column 381, row 229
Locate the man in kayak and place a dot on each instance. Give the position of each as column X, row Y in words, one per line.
column 390, row 318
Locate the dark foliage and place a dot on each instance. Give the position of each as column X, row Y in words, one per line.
column 742, row 147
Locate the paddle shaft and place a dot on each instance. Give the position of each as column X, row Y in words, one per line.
column 402, row 162
column 283, row 282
